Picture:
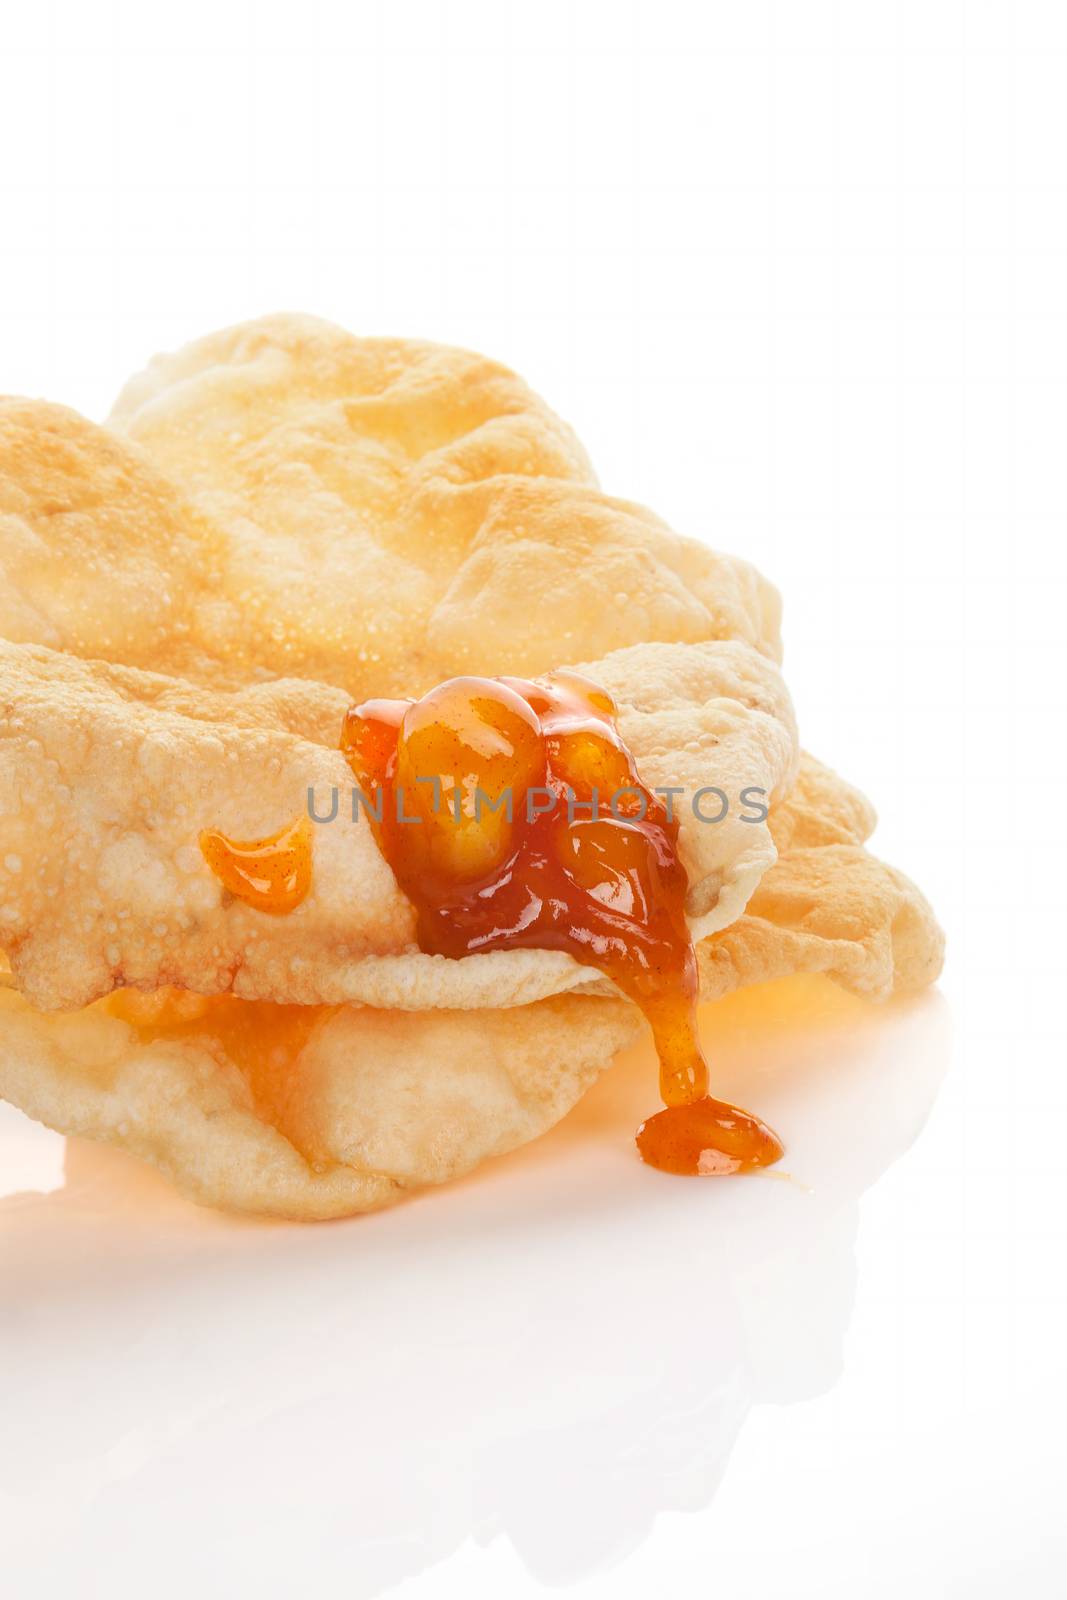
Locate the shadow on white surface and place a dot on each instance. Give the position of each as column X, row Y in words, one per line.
column 558, row 1349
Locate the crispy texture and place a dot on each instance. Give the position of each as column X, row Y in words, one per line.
column 108, row 774
column 827, row 905
column 398, row 512
column 337, row 1112
column 284, row 500
column 823, row 809
column 833, row 909
column 100, row 554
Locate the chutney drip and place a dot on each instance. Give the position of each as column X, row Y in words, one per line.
column 595, row 875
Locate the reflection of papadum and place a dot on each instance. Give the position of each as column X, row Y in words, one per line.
column 537, row 1385
column 279, row 519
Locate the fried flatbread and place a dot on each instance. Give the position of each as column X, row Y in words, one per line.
column 279, row 519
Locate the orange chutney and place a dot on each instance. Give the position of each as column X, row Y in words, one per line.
column 513, row 817
column 271, row 874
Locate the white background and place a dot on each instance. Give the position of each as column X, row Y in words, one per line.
column 797, row 274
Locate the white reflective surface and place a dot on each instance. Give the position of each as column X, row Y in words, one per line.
column 556, row 1351
column 795, row 271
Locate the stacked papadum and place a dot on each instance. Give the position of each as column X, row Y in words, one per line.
column 276, row 521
